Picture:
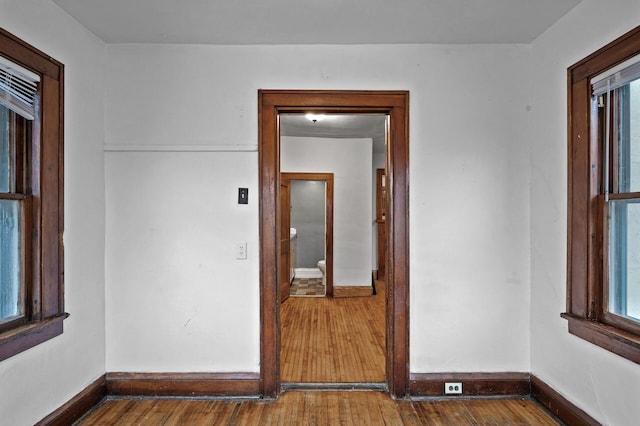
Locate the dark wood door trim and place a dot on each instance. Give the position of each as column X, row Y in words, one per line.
column 327, row 178
column 396, row 105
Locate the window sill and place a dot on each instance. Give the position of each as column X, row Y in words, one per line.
column 22, row 338
column 620, row 342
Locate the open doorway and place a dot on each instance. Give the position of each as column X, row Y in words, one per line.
column 307, row 212
column 340, row 339
column 393, row 104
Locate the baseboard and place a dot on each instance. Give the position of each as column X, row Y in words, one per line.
column 77, row 406
column 247, row 384
column 352, row 291
column 183, row 384
column 502, row 384
column 473, row 384
column 307, row 273
column 558, row 405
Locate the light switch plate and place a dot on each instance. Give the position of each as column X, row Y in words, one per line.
column 243, row 195
column 241, row 251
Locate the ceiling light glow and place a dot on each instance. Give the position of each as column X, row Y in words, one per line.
column 315, row 117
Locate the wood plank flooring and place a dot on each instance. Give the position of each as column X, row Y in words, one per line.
column 333, row 340
column 319, row 408
column 324, row 340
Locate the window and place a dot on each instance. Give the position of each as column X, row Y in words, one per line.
column 621, row 110
column 603, row 274
column 14, row 234
column 31, row 191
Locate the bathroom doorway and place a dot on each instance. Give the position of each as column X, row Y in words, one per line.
column 395, row 106
column 308, row 213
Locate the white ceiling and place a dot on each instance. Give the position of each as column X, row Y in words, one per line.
column 338, row 126
column 317, row 21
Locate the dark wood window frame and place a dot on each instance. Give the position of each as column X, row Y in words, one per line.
column 44, row 189
column 586, row 238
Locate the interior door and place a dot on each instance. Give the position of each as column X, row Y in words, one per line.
column 381, row 216
column 284, row 279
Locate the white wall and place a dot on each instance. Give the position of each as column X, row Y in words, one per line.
column 177, row 298
column 36, row 382
column 469, row 180
column 350, row 162
column 603, row 384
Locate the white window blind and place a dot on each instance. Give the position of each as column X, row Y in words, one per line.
column 603, row 85
column 616, row 77
column 18, row 88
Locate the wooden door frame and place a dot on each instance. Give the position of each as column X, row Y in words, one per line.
column 327, row 178
column 396, row 105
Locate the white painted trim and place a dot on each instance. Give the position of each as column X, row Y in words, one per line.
column 308, row 273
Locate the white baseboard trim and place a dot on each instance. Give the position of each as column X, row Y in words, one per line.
column 308, row 273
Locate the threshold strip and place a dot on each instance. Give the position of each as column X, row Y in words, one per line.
column 335, row 386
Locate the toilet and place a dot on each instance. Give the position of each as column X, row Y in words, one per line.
column 322, row 265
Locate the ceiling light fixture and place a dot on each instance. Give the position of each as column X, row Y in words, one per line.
column 315, row 117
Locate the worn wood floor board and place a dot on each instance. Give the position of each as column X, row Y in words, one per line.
column 250, row 414
column 328, row 340
column 319, row 407
column 408, row 414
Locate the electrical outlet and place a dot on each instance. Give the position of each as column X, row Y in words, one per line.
column 453, row 388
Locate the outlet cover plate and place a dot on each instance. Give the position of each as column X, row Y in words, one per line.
column 453, row 388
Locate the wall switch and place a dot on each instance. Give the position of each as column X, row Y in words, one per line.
column 241, row 251
column 453, row 388
column 243, row 195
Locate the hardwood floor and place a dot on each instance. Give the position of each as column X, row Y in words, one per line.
column 333, row 340
column 325, row 340
column 319, row 408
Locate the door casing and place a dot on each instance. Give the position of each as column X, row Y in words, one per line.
column 327, row 179
column 396, row 105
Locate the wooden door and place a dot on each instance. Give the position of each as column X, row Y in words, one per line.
column 381, row 216
column 284, row 280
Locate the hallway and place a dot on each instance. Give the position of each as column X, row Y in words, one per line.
column 333, row 340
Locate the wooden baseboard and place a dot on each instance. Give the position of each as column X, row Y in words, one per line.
column 183, row 384
column 473, row 384
column 558, row 405
column 352, row 291
column 77, row 406
column 247, row 384
column 502, row 384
